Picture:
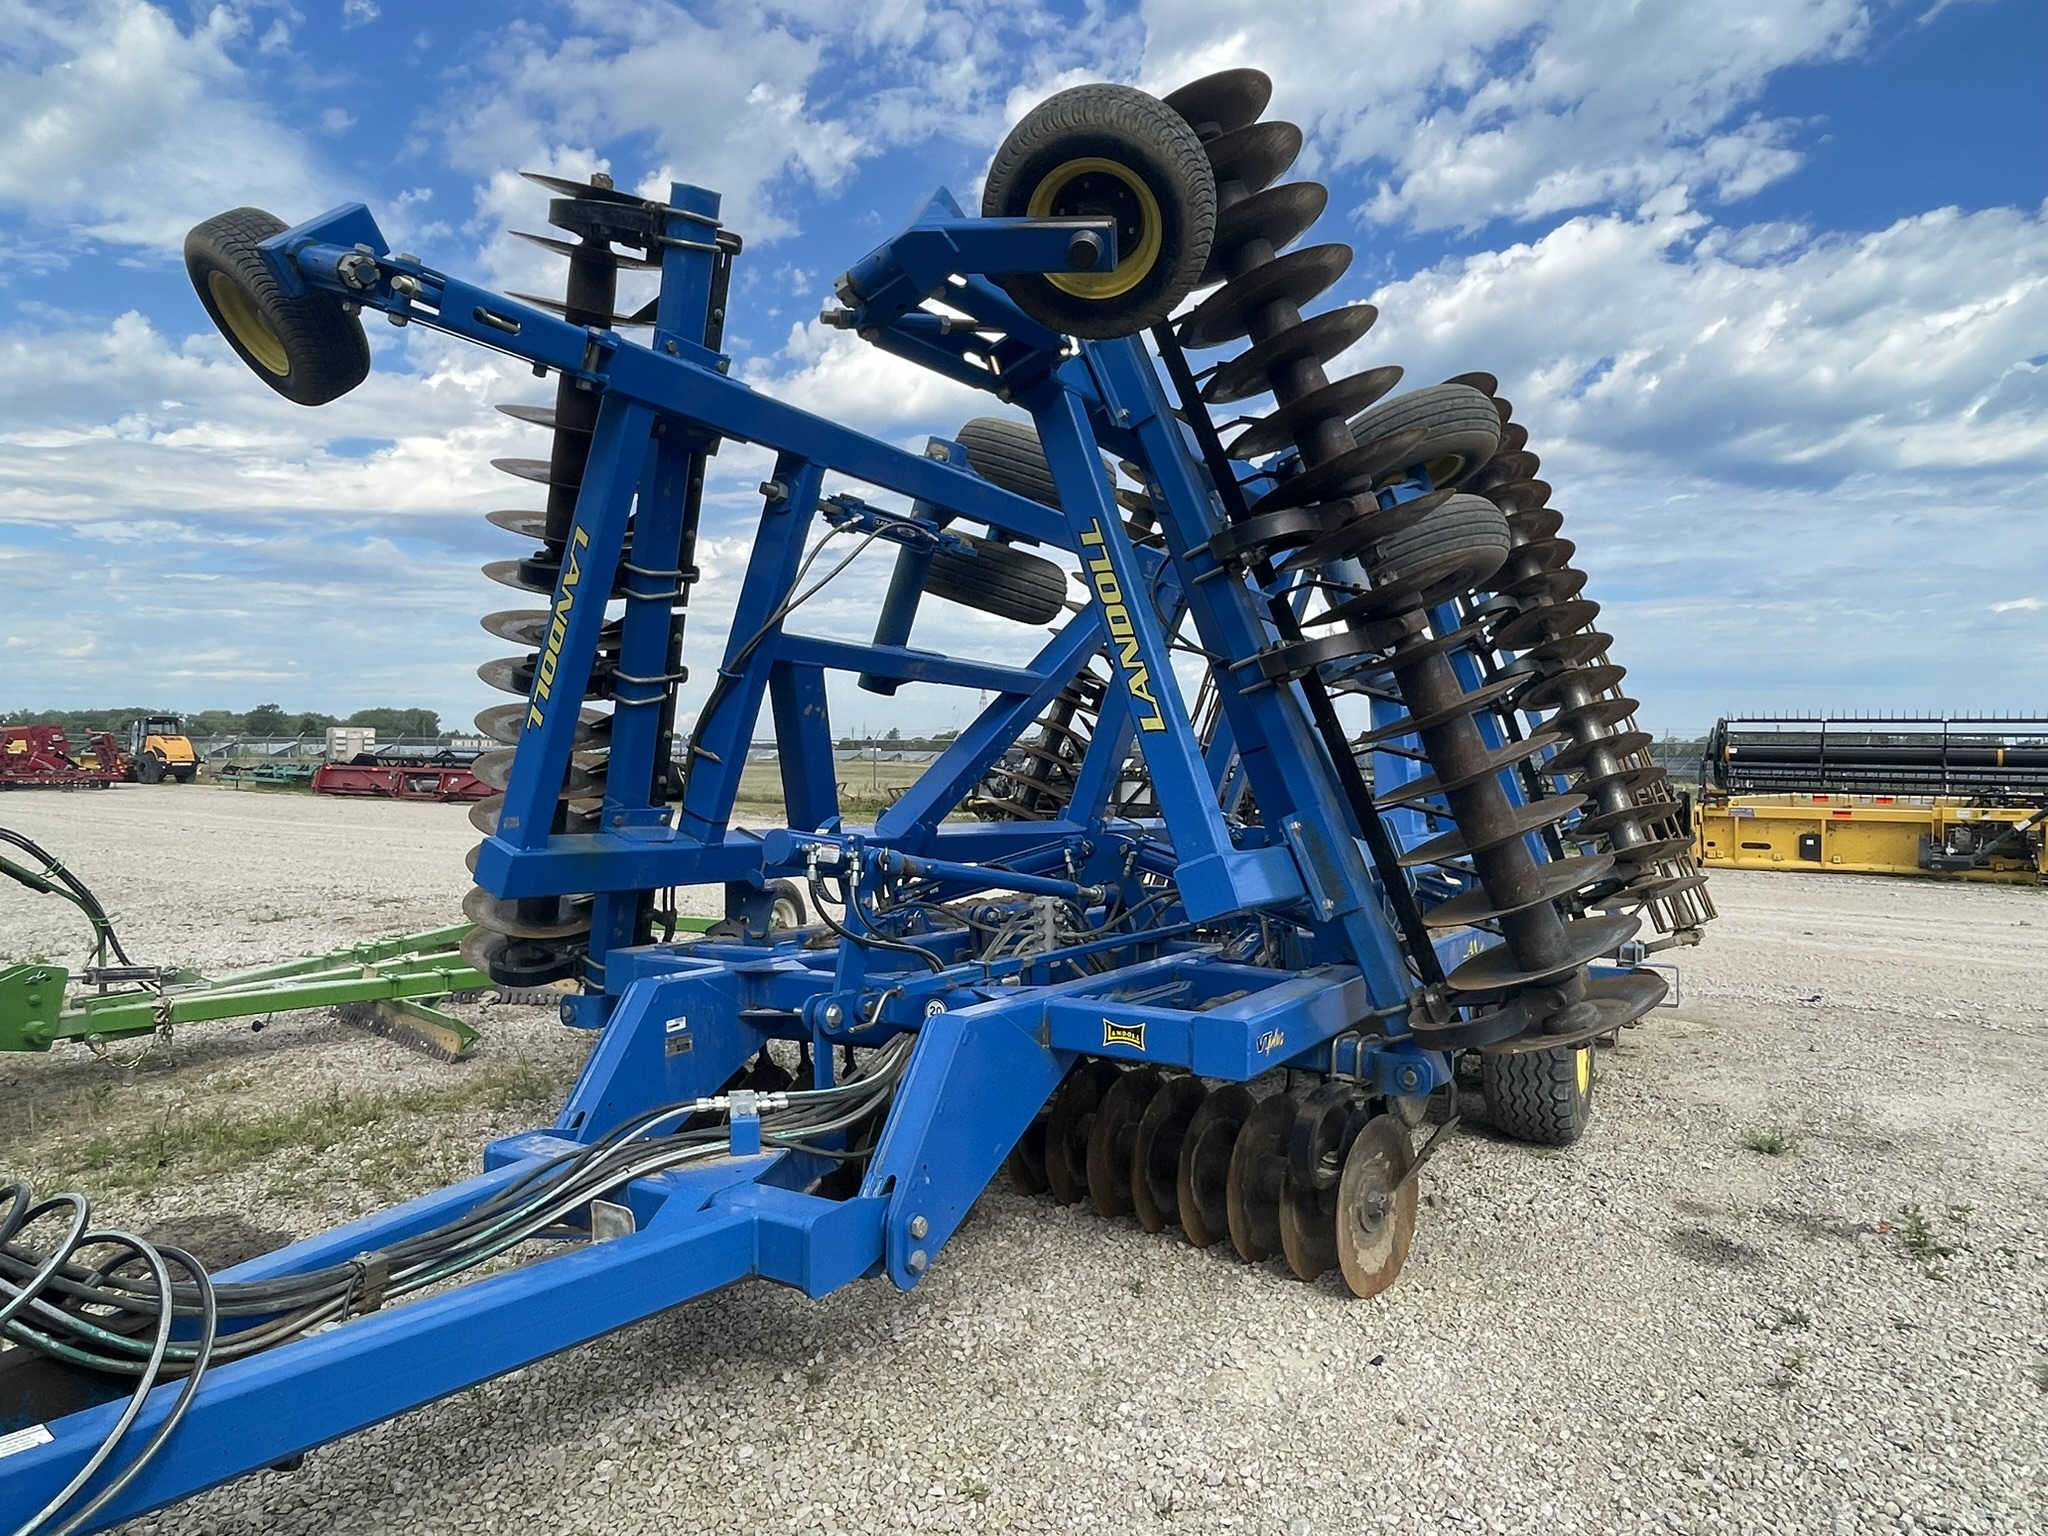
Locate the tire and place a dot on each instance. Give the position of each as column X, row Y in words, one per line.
column 1542, row 1097
column 150, row 770
column 787, row 911
column 1006, row 453
column 1007, row 582
column 1451, row 551
column 306, row 347
column 185, row 774
column 1463, row 427
column 1110, row 149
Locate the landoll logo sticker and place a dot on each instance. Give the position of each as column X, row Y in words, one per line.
column 1271, row 1041
column 1132, row 1035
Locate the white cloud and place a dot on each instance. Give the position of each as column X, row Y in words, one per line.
column 1899, row 351
column 1475, row 109
column 129, row 129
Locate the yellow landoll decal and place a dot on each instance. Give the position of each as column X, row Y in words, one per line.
column 1123, row 634
column 1132, row 1035
column 558, row 630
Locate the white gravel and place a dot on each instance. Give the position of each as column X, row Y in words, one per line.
column 1659, row 1329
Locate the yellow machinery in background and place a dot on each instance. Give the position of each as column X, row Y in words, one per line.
column 1964, row 798
column 160, row 751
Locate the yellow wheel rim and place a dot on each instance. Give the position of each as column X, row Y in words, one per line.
column 1585, row 1056
column 245, row 322
column 1136, row 258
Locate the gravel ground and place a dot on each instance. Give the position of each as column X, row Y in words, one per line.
column 1662, row 1328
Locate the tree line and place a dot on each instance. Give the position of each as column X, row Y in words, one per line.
column 264, row 722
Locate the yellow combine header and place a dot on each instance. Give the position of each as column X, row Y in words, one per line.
column 1964, row 798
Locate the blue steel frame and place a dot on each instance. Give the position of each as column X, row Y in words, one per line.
column 1329, row 991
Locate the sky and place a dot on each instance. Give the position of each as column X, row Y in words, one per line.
column 1767, row 281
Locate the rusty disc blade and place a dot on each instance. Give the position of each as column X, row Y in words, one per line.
column 1558, row 877
column 1376, row 1202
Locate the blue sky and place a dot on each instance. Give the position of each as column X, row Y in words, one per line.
column 1766, row 279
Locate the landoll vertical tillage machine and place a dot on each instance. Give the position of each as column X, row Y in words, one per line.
column 1407, row 824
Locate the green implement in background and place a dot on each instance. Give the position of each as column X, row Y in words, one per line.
column 388, row 985
column 395, row 979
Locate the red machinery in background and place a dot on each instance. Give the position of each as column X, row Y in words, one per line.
column 400, row 780
column 40, row 757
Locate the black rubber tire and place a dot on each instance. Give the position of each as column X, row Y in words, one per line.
column 1453, row 550
column 1463, row 427
column 1007, row 453
column 1537, row 1096
column 186, row 774
column 1145, row 138
column 1007, row 582
column 316, row 350
column 149, row 769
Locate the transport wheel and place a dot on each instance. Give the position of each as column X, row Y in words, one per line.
column 1258, row 1174
column 1068, row 1120
column 1202, row 1180
column 1541, row 1097
column 1463, row 428
column 999, row 579
column 1108, row 150
column 1007, row 453
column 1114, row 1137
column 787, row 911
column 150, row 770
column 1155, row 1155
column 1376, row 1207
column 306, row 347
column 1451, row 551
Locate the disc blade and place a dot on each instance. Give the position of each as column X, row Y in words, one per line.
column 1322, row 338
column 1202, row 1176
column 1254, row 155
column 1376, row 1202
column 1341, row 398
column 1227, row 314
column 1112, row 1138
column 1223, row 102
